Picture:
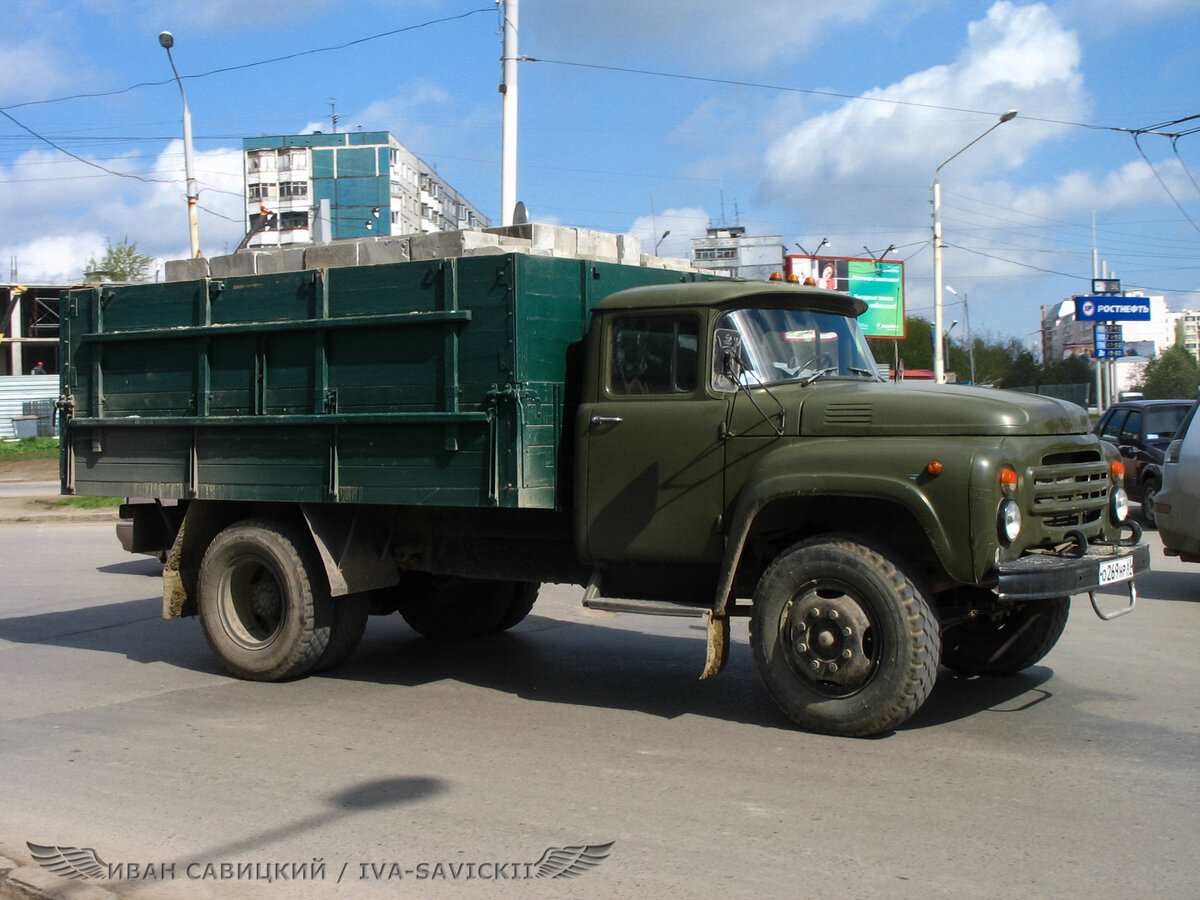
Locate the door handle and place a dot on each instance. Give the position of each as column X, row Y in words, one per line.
column 606, row 420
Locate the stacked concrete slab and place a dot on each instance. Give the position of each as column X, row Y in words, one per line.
column 534, row 239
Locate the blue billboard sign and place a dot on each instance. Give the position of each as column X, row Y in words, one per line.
column 1102, row 308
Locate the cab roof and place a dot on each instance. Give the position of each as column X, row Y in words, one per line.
column 721, row 294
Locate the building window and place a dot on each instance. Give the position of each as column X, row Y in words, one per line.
column 293, row 220
column 262, row 191
column 293, row 189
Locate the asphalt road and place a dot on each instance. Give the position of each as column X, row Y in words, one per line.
column 435, row 762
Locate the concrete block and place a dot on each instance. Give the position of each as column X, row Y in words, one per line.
column 597, row 245
column 185, row 269
column 331, row 256
column 443, row 244
column 380, row 250
column 629, row 249
column 285, row 259
column 544, row 240
column 667, row 262
column 241, row 263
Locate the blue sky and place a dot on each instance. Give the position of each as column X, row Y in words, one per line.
column 808, row 120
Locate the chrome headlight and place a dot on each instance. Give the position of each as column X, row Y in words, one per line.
column 1008, row 521
column 1118, row 508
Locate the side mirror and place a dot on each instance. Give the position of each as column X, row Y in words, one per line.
column 727, row 359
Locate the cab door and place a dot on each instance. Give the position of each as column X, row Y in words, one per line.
column 652, row 457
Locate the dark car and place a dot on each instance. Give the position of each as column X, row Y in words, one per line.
column 1141, row 430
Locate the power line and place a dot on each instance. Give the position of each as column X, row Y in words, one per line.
column 1178, row 205
column 250, row 65
column 86, row 162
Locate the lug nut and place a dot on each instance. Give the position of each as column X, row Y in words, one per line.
column 847, row 631
column 833, row 614
column 846, row 654
column 833, row 667
column 815, row 664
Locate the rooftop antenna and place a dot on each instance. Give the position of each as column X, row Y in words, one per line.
column 333, row 112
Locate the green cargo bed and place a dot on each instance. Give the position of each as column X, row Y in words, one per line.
column 443, row 383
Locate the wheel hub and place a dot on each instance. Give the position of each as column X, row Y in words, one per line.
column 824, row 638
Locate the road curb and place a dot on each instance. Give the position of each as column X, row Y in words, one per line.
column 19, row 882
column 28, row 511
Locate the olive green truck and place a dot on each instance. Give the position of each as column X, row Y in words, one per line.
column 441, row 437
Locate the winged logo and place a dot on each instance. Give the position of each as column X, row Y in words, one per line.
column 568, row 862
column 69, row 862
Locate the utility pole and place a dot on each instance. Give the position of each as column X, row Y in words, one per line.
column 508, row 91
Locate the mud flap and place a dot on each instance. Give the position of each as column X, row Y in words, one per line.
column 718, row 645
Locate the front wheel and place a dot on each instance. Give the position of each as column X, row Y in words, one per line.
column 844, row 639
column 264, row 603
column 995, row 643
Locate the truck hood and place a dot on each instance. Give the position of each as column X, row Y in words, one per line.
column 850, row 408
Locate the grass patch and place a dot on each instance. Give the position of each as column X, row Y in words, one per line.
column 86, row 502
column 29, row 448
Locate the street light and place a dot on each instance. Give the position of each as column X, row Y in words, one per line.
column 166, row 40
column 967, row 321
column 939, row 351
column 660, row 240
column 813, row 255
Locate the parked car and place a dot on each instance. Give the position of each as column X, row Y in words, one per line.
column 1177, row 506
column 1141, row 430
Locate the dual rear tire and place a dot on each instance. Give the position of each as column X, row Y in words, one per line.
column 267, row 614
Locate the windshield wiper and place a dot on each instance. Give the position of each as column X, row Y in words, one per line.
column 818, row 374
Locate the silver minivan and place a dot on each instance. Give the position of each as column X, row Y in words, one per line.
column 1177, row 506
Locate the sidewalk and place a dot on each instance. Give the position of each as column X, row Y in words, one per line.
column 30, row 488
column 37, row 509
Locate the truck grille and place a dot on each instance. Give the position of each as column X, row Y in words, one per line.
column 1070, row 489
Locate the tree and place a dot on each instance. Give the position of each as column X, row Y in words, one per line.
column 1174, row 374
column 120, row 262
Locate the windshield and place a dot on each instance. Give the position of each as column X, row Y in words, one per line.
column 785, row 345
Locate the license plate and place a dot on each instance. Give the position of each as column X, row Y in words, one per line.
column 1116, row 570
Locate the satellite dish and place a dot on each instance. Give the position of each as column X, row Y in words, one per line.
column 520, row 214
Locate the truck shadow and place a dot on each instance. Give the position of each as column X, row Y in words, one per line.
column 543, row 659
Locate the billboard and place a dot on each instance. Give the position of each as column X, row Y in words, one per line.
column 1103, row 308
column 879, row 283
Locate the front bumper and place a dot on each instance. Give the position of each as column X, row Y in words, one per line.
column 1040, row 576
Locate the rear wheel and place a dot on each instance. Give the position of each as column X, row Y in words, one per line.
column 448, row 607
column 346, row 630
column 264, row 606
column 1004, row 644
column 844, row 639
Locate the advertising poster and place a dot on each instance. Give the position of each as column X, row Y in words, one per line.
column 879, row 283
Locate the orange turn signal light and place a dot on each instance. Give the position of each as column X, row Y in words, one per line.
column 1117, row 469
column 776, row 276
column 934, row 467
column 1008, row 477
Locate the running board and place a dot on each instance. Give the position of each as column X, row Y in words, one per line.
column 646, row 607
column 593, row 600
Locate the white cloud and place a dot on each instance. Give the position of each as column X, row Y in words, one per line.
column 34, row 69
column 1017, row 57
column 684, row 224
column 75, row 208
